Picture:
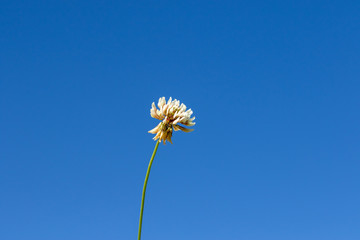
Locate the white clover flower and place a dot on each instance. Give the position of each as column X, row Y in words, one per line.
column 171, row 114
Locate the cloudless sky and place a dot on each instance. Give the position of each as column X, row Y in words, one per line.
column 274, row 86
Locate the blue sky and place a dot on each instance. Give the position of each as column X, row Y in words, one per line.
column 274, row 86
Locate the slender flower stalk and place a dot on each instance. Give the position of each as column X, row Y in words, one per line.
column 170, row 114
column 144, row 188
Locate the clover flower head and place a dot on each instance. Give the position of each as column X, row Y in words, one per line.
column 171, row 113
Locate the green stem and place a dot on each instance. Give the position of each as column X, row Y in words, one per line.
column 144, row 189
